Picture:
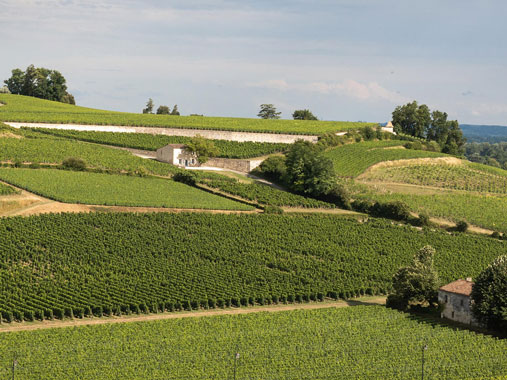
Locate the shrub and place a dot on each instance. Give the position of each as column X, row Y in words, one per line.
column 273, row 167
column 73, row 163
column 367, row 133
column 186, row 177
column 273, row 209
column 424, row 220
column 338, row 195
column 396, row 210
column 462, row 226
column 496, row 235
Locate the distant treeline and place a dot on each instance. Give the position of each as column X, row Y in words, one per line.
column 484, row 133
column 486, row 153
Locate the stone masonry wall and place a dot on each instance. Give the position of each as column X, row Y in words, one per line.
column 209, row 134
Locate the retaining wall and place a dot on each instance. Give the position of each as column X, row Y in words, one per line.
column 207, row 133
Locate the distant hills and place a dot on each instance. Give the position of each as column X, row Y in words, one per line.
column 484, row 133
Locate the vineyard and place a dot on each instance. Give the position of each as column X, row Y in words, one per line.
column 55, row 150
column 482, row 210
column 6, row 190
column 352, row 159
column 19, row 108
column 115, row 190
column 459, row 177
column 82, row 264
column 362, row 342
column 260, row 193
column 146, row 141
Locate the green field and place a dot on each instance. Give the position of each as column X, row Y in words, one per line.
column 468, row 177
column 55, row 150
column 6, row 190
column 258, row 192
column 19, row 108
column 361, row 342
column 486, row 211
column 146, row 141
column 115, row 190
column 352, row 159
column 102, row 263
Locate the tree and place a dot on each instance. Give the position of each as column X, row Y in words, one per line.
column 303, row 115
column 489, row 295
column 204, row 149
column 175, row 111
column 15, row 82
column 149, row 106
column 412, row 119
column 163, row 110
column 416, row 284
column 268, row 111
column 307, row 170
column 417, row 121
column 274, row 167
column 41, row 83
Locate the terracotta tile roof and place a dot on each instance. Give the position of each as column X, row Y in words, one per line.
column 459, row 287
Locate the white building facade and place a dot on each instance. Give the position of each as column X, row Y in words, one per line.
column 457, row 301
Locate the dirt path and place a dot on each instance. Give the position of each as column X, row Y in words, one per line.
column 26, row 326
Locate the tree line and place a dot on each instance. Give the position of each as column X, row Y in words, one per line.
column 41, row 83
column 161, row 110
column 486, row 153
column 418, row 121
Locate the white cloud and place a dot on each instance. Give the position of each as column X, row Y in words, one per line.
column 350, row 88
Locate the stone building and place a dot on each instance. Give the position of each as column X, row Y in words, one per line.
column 176, row 154
column 457, row 302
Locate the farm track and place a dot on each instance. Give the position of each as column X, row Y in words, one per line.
column 28, row 326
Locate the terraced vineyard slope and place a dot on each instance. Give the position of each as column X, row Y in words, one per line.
column 353, row 159
column 55, row 151
column 445, row 173
column 362, row 342
column 28, row 109
column 146, row 141
column 79, row 264
column 115, row 190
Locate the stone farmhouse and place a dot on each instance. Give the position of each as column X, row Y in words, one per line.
column 457, row 302
column 176, row 154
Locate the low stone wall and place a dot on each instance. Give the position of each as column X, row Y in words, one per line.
column 239, row 165
column 207, row 133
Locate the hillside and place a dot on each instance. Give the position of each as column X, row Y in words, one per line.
column 484, row 133
column 28, row 109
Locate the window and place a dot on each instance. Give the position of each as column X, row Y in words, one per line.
column 180, row 161
column 452, row 315
column 446, row 298
column 461, row 303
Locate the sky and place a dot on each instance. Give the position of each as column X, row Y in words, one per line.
column 350, row 60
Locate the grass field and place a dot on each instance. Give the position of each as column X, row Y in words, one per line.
column 55, row 150
column 22, row 108
column 146, row 141
column 462, row 176
column 102, row 263
column 360, row 342
column 115, row 190
column 353, row 159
